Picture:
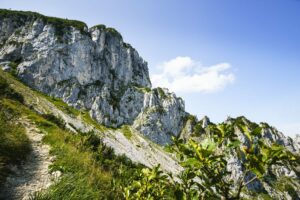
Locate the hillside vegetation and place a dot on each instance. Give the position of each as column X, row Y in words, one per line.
column 15, row 145
column 91, row 170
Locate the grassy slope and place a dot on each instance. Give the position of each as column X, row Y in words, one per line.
column 14, row 143
column 90, row 169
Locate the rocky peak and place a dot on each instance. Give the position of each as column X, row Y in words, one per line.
column 297, row 142
column 205, row 121
column 162, row 116
column 91, row 69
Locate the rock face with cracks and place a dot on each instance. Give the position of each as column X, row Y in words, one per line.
column 91, row 69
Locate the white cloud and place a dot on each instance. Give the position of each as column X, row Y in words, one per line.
column 183, row 74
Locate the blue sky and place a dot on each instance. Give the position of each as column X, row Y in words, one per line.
column 242, row 57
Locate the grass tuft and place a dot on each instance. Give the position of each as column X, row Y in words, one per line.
column 126, row 131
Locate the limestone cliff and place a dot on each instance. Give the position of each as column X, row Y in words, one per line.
column 91, row 69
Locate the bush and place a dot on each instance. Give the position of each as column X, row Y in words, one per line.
column 126, row 131
column 58, row 121
column 7, row 92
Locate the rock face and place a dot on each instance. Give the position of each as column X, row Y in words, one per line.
column 162, row 116
column 297, row 143
column 91, row 69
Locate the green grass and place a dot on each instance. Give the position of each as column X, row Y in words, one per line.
column 85, row 116
column 59, row 23
column 160, row 92
column 7, row 92
column 126, row 131
column 62, row 26
column 13, row 66
column 82, row 176
column 14, row 143
column 32, row 95
column 60, row 104
column 111, row 31
column 114, row 32
column 143, row 89
column 99, row 26
column 90, row 169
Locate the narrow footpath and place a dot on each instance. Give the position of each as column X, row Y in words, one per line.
column 33, row 175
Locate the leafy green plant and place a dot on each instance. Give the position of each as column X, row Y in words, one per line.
column 150, row 184
column 205, row 164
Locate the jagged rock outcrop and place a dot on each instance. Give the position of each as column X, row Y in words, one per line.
column 297, row 142
column 162, row 116
column 91, row 69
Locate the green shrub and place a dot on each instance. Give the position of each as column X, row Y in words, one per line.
column 100, row 26
column 109, row 30
column 198, row 129
column 126, row 131
column 7, row 92
column 93, row 141
column 161, row 92
column 148, row 184
column 114, row 32
column 58, row 121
